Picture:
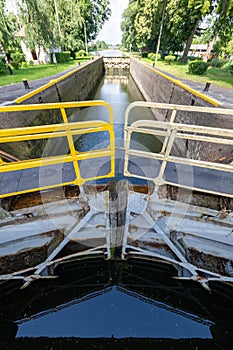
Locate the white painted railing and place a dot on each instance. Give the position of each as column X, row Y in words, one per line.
column 171, row 132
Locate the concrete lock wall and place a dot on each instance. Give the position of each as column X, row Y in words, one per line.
column 77, row 85
column 157, row 87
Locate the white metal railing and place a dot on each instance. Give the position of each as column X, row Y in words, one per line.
column 171, row 132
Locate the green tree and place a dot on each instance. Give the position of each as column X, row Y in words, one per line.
column 94, row 13
column 70, row 25
column 61, row 22
column 143, row 19
column 181, row 22
column 128, row 27
column 222, row 26
column 197, row 9
column 8, row 28
column 38, row 25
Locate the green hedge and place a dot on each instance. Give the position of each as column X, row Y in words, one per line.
column 198, row 67
column 2, row 66
column 15, row 64
column 18, row 57
column 151, row 56
column 61, row 57
column 24, row 64
column 215, row 62
column 80, row 53
column 170, row 58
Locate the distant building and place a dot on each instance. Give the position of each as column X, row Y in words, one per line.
column 198, row 50
column 38, row 54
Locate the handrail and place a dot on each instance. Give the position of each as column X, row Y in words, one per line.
column 174, row 108
column 172, row 132
column 179, row 83
column 51, row 83
column 65, row 129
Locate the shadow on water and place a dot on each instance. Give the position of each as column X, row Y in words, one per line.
column 116, row 305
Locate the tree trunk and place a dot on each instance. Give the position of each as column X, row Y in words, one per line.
column 189, row 41
column 209, row 48
column 217, row 27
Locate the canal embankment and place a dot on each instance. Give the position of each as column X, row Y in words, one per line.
column 76, row 83
column 159, row 87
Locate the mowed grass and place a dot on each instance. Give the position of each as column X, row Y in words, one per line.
column 215, row 76
column 33, row 72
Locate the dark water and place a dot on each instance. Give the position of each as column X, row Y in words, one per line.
column 103, row 305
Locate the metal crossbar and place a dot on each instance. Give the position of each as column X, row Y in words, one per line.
column 67, row 130
column 171, row 132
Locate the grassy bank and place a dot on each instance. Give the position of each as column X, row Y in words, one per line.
column 215, row 76
column 32, row 72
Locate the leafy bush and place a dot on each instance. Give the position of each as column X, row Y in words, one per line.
column 24, row 64
column 151, row 56
column 231, row 69
column 18, row 57
column 61, row 57
column 178, row 58
column 226, row 66
column 15, row 64
column 80, row 53
column 31, row 62
column 170, row 58
column 194, row 58
column 215, row 62
column 2, row 66
column 198, row 67
column 143, row 54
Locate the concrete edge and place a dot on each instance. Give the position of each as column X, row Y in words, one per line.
column 51, row 83
column 180, row 84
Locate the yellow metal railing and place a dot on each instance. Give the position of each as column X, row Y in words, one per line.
column 51, row 83
column 67, row 130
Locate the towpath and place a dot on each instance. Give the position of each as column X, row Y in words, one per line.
column 9, row 93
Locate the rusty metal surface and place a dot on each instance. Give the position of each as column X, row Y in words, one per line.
column 179, row 229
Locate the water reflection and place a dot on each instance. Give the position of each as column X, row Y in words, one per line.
column 99, row 303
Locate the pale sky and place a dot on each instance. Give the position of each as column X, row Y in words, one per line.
column 111, row 32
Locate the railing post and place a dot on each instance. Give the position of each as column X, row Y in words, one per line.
column 159, row 178
column 72, row 148
column 167, row 137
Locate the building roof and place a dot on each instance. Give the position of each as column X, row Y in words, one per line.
column 198, row 47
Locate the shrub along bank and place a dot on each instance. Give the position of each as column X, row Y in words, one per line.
column 217, row 72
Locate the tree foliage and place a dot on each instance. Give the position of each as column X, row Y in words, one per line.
column 44, row 27
column 127, row 26
column 183, row 18
column 222, row 24
column 37, row 23
column 8, row 27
